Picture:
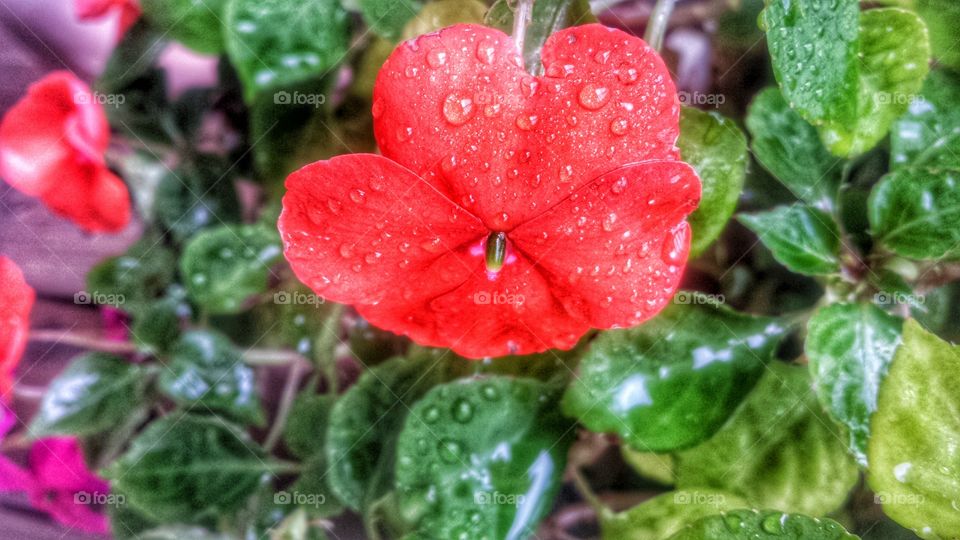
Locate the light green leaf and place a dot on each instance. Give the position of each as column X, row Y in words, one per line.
column 278, row 43
column 206, row 370
column 664, row 515
column 779, row 450
column 95, row 393
column 183, row 467
column 913, row 451
column 481, row 458
column 850, row 347
column 672, row 382
column 802, row 238
column 195, row 23
column 547, row 17
column 763, row 525
column 224, row 266
column 894, row 53
column 916, row 213
column 656, row 467
column 387, row 17
column 943, row 19
column 928, row 134
column 790, row 148
column 716, row 148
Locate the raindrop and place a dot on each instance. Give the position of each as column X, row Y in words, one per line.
column 526, row 122
column 450, row 450
column 404, row 133
column 436, row 57
column 410, row 72
column 431, row 415
column 593, row 97
column 566, row 173
column 627, row 74
column 608, row 221
column 619, row 126
column 346, row 251
column 462, row 411
column 377, row 108
column 486, row 52
column 457, row 110
column 358, row 196
column 674, row 245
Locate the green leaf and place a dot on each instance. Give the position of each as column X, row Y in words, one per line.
column 133, row 57
column 790, row 148
column 942, row 18
column 95, row 393
column 158, row 326
column 916, row 213
column 224, row 266
column 196, row 24
column 481, row 458
column 849, row 347
column 197, row 195
column 367, row 419
column 442, row 13
column 928, row 134
column 779, row 450
column 802, row 238
column 387, row 17
column 763, row 525
column 914, row 458
column 547, row 17
column 938, row 310
column 306, row 430
column 894, row 53
column 664, row 515
column 181, row 532
column 131, row 281
column 312, row 490
column 716, row 148
column 656, row 467
column 184, row 467
column 672, row 382
column 206, row 371
column 277, row 43
column 813, row 47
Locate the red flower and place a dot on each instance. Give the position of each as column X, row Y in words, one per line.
column 508, row 213
column 96, row 9
column 52, row 144
column 16, row 297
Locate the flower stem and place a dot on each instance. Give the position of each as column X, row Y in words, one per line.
column 521, row 18
column 290, row 386
column 657, row 25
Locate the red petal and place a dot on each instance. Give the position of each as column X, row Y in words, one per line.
column 17, row 298
column 615, row 250
column 507, row 145
column 360, row 229
column 51, row 146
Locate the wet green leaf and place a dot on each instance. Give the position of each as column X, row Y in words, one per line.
column 656, row 467
column 849, row 347
column 306, row 429
column 942, row 18
column 277, row 43
column 779, row 450
column 928, row 134
column 481, row 458
column 387, row 17
column 763, row 525
column 195, row 24
column 790, row 148
column 664, row 515
column 916, row 213
column 184, row 467
column 158, row 327
column 197, row 195
column 95, row 393
column 206, row 371
column 913, row 453
column 547, row 17
column 802, row 238
column 224, row 266
column 131, row 281
column 132, row 58
column 673, row 381
column 716, row 148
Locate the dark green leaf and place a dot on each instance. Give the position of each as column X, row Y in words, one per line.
column 312, row 490
column 387, row 17
column 916, row 213
column 277, row 43
column 813, row 46
column 139, row 109
column 914, row 459
column 95, row 393
column 943, row 19
column 790, row 148
column 196, row 24
column 938, row 310
column 672, row 382
column 928, row 134
column 306, row 430
column 763, row 525
column 181, row 532
column 777, row 451
column 195, row 196
column 224, row 266
column 802, row 238
column 716, row 148
column 184, row 467
column 663, row 515
column 547, row 17
column 481, row 458
column 894, row 53
column 849, row 347
column 131, row 281
column 157, row 327
column 206, row 371
column 132, row 58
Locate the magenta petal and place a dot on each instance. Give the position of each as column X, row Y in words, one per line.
column 13, row 478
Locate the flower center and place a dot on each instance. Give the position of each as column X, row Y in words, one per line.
column 496, row 251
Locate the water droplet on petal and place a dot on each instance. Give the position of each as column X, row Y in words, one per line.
column 526, row 121
column 436, row 57
column 334, row 206
column 627, row 74
column 491, row 110
column 457, row 110
column 619, row 186
column 377, row 108
column 572, row 120
column 593, row 97
column 619, row 126
column 566, row 173
column 675, row 244
column 410, row 72
column 404, row 133
column 358, row 196
column 346, row 251
column 529, row 85
column 486, row 51
column 608, row 221
column 601, row 57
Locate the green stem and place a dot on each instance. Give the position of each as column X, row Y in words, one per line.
column 657, row 25
column 290, row 386
column 583, row 486
column 324, row 348
column 521, row 18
